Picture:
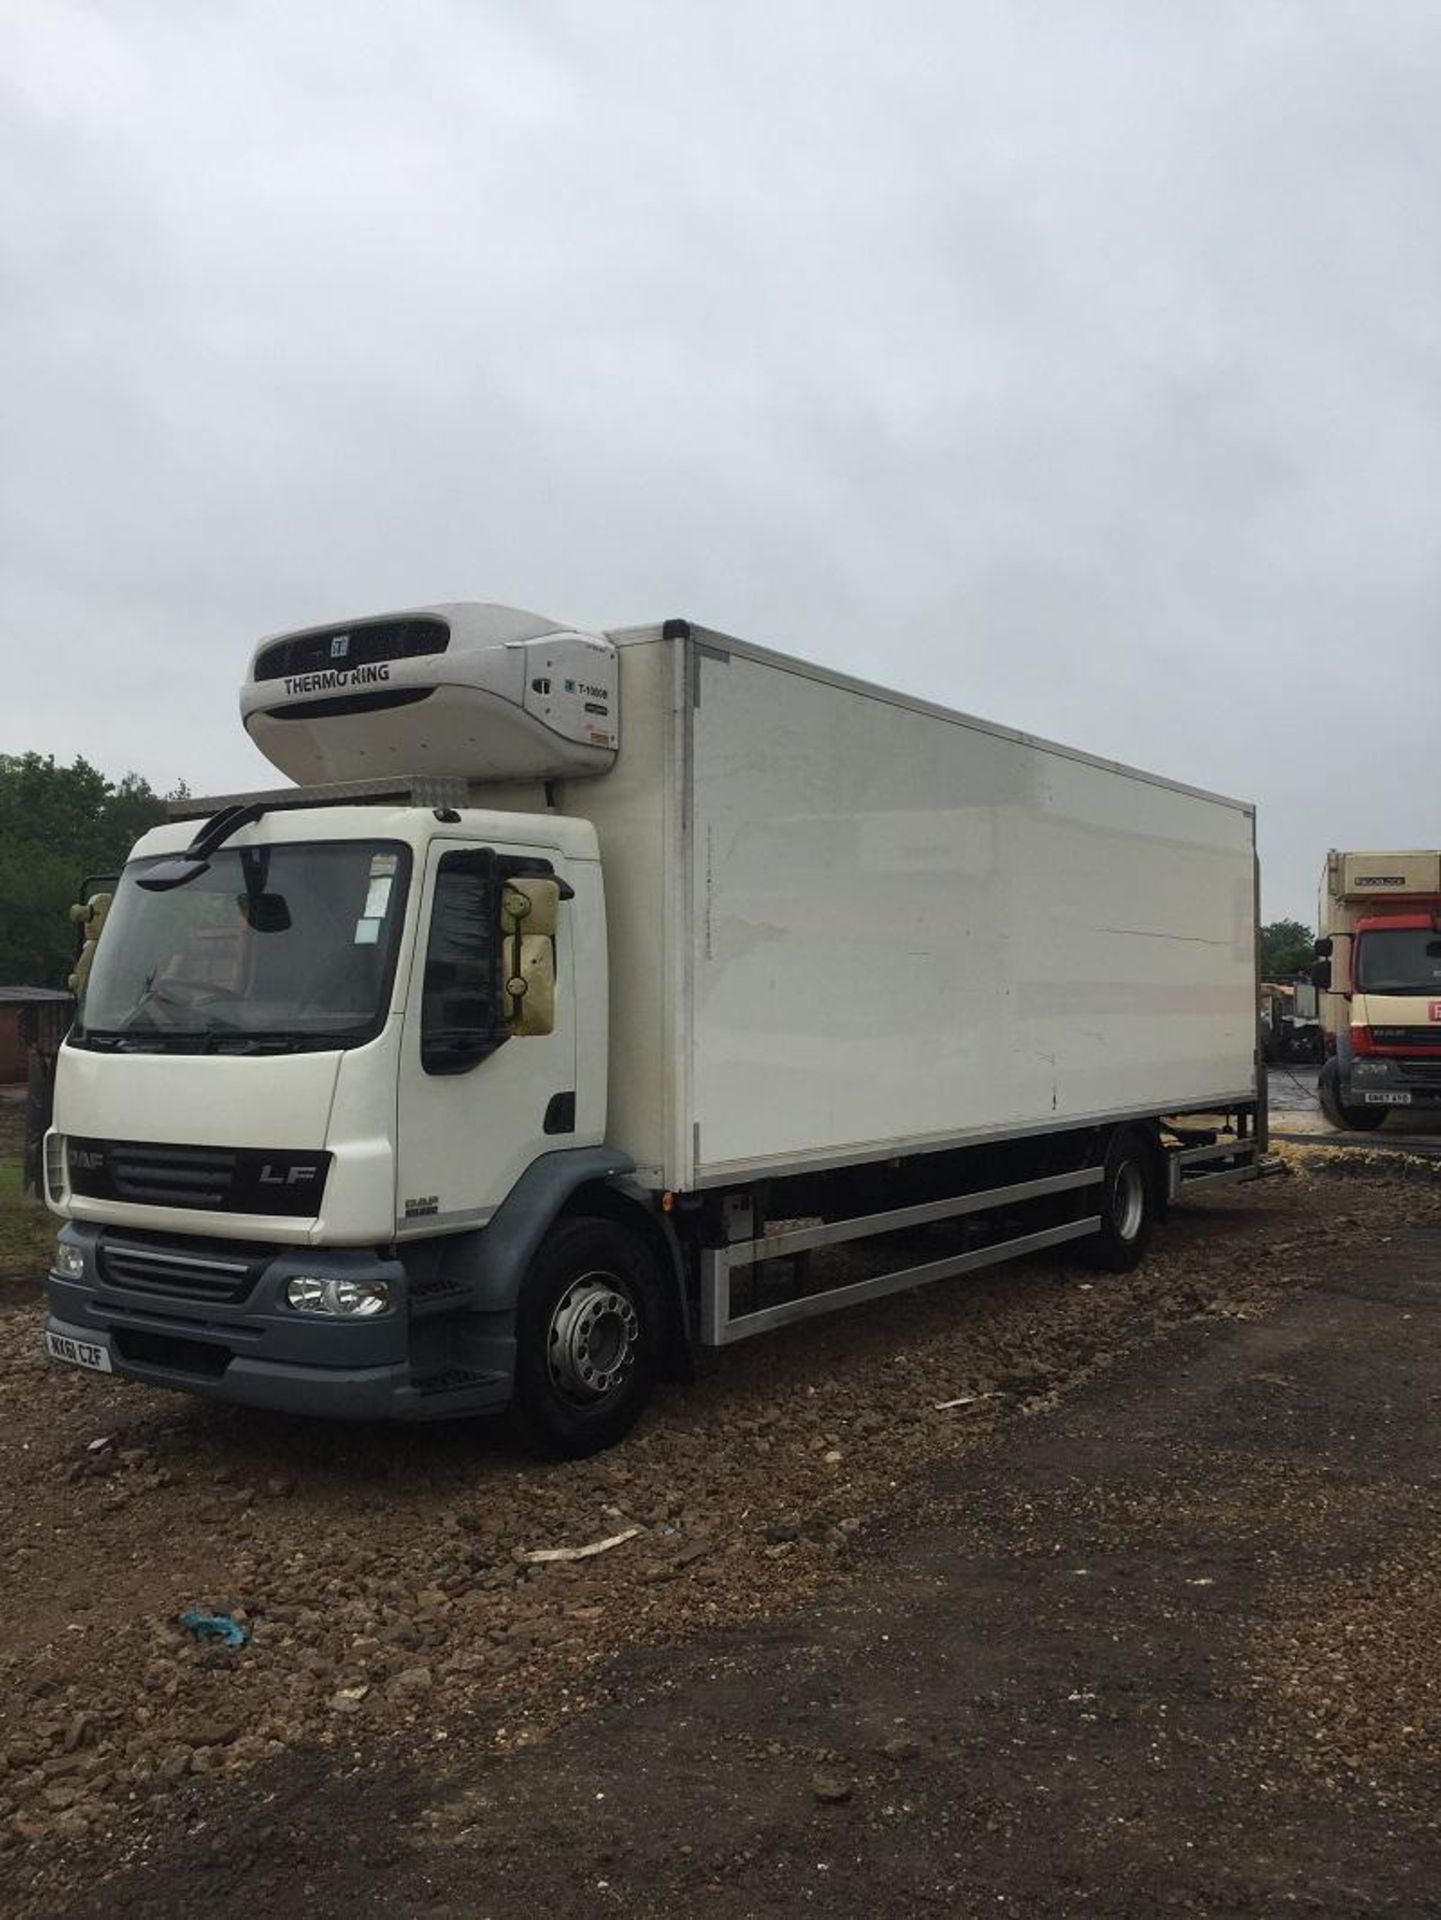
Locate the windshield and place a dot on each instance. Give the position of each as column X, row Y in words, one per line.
column 278, row 948
column 1399, row 960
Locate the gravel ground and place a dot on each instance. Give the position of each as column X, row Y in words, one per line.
column 383, row 1575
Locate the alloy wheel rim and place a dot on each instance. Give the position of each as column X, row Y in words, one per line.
column 593, row 1338
column 1130, row 1200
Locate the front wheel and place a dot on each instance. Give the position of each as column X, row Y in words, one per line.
column 587, row 1339
column 1127, row 1206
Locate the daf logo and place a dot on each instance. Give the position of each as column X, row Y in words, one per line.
column 290, row 1177
column 339, row 646
column 86, row 1158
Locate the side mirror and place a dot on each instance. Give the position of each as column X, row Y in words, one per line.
column 1323, row 948
column 1321, row 973
column 89, row 917
column 529, row 912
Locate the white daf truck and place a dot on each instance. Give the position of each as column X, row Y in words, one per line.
column 588, row 986
column 1379, row 967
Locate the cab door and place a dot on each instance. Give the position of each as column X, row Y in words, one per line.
column 477, row 1104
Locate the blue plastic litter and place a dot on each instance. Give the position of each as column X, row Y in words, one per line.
column 214, row 1626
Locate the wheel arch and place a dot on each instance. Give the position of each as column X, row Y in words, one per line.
column 1114, row 1248
column 627, row 1204
column 574, row 1183
column 1147, row 1135
column 492, row 1262
column 1148, row 1132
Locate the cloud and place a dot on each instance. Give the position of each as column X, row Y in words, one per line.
column 1077, row 367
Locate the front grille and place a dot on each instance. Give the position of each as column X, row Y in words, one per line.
column 380, row 640
column 1420, row 1038
column 155, row 1173
column 1426, row 1073
column 182, row 1270
column 171, row 1176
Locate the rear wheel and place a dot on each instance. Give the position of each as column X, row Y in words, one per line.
column 587, row 1338
column 1127, row 1205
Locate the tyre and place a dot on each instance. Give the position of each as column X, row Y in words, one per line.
column 1344, row 1119
column 588, row 1334
column 1127, row 1205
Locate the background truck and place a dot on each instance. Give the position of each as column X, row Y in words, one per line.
column 1378, row 967
column 595, row 983
column 1290, row 1021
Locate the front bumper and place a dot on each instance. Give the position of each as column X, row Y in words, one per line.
column 257, row 1351
column 1385, row 1081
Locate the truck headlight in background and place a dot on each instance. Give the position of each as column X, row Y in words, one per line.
column 69, row 1261
column 350, row 1299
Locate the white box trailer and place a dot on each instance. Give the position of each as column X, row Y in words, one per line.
column 668, row 963
column 847, row 924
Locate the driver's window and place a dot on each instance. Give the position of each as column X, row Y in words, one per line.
column 462, row 1020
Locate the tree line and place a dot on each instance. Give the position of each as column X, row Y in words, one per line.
column 62, row 825
column 1287, row 948
column 58, row 827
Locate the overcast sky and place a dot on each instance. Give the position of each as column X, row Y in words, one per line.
column 1077, row 364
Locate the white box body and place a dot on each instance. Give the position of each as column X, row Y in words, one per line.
column 845, row 924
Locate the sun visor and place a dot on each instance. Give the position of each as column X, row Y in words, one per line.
column 471, row 691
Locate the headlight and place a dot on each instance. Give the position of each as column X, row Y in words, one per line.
column 360, row 1297
column 55, row 1166
column 69, row 1261
column 351, row 1299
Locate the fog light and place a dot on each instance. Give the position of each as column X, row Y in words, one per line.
column 69, row 1261
column 349, row 1299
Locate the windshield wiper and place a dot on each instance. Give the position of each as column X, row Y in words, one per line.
column 151, row 1038
column 237, row 1040
column 142, row 1039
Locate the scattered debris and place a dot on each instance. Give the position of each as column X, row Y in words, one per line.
column 410, row 1682
column 964, row 1400
column 538, row 1556
column 214, row 1626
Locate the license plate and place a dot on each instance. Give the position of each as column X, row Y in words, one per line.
column 1387, row 1099
column 79, row 1353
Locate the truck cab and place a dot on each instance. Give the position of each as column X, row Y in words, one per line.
column 334, row 1036
column 1379, row 968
